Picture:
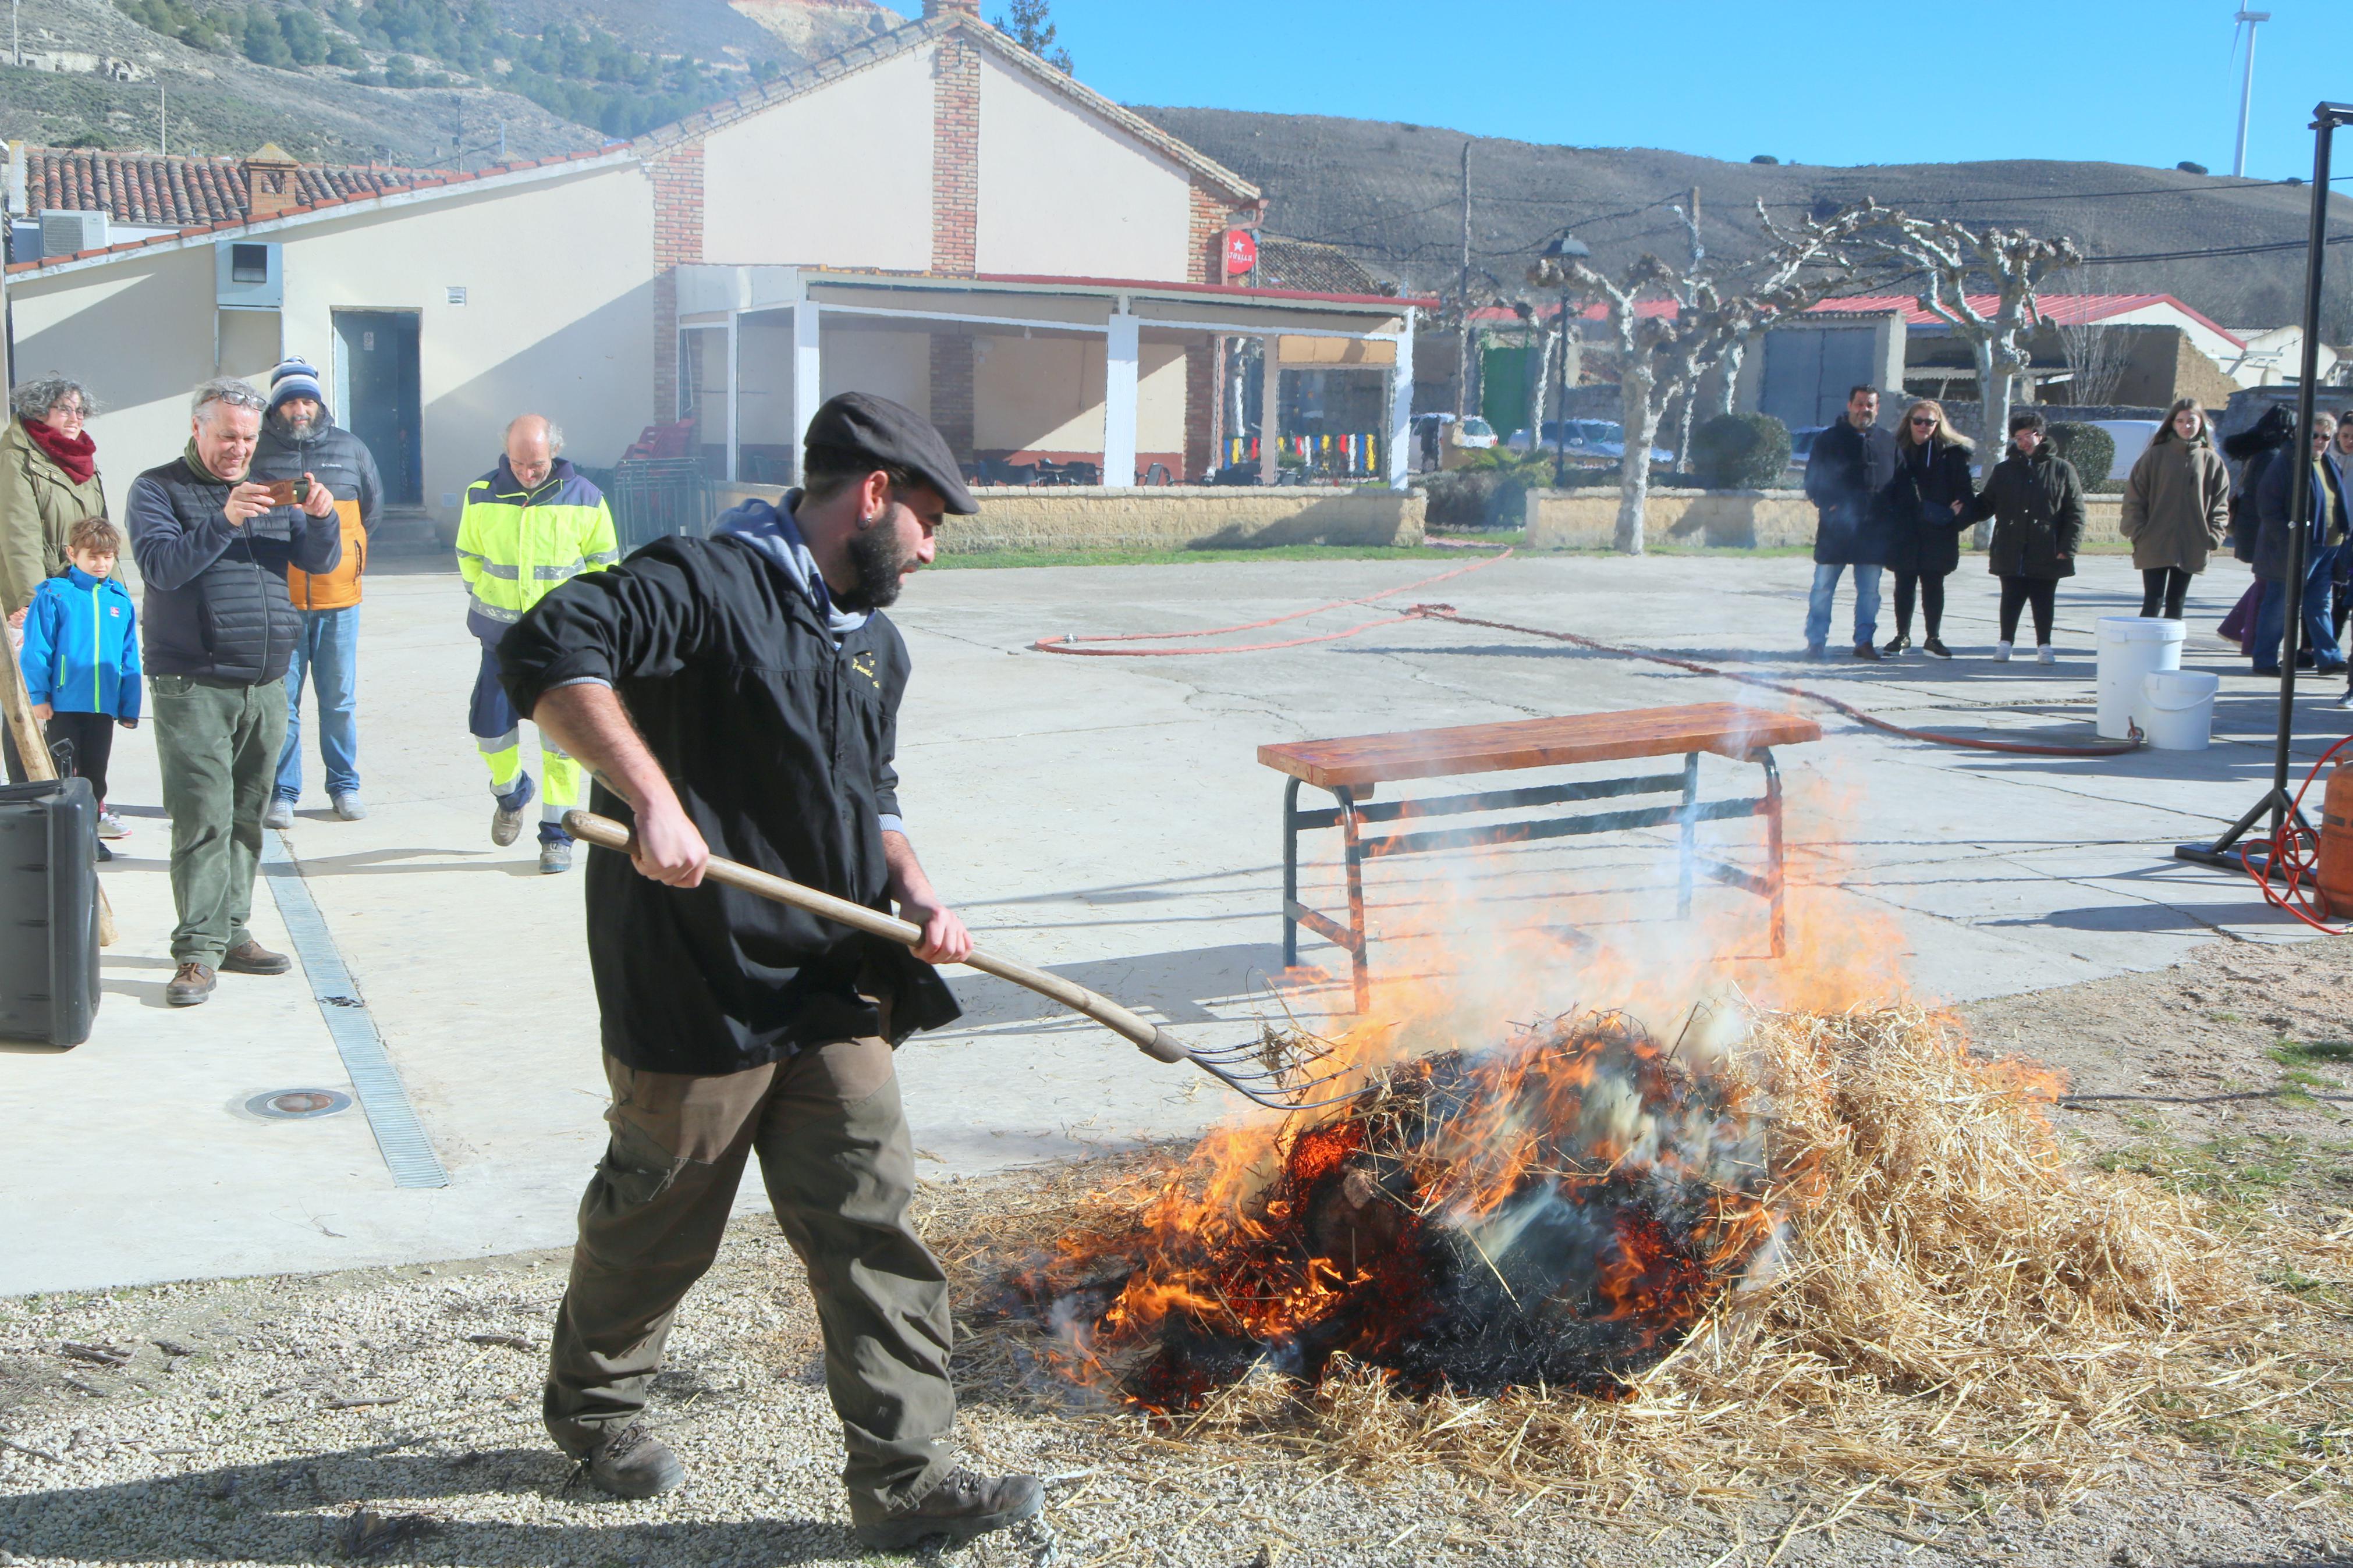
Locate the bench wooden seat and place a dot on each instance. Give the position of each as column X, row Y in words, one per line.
column 1352, row 767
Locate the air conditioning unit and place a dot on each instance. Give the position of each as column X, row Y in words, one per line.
column 63, row 233
column 248, row 275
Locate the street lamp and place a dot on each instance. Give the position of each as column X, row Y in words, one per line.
column 1563, row 250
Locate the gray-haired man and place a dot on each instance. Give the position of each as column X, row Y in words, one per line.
column 219, row 631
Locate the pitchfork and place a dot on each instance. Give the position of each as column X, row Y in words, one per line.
column 1267, row 1072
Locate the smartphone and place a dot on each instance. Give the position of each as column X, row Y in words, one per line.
column 288, row 492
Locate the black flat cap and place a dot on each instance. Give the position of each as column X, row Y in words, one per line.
column 894, row 436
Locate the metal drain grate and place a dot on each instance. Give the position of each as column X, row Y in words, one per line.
column 406, row 1152
column 299, row 1104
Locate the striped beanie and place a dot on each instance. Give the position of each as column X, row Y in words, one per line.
column 295, row 378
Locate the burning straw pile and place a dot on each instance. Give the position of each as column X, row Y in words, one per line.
column 1589, row 1263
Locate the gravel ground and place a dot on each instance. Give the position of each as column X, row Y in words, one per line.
column 391, row 1416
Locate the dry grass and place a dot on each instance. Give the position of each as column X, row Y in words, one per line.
column 1962, row 1312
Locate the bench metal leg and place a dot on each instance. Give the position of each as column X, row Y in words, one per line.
column 1689, row 837
column 1775, row 875
column 1360, row 972
column 1290, row 873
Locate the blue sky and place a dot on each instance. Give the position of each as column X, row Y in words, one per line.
column 2131, row 81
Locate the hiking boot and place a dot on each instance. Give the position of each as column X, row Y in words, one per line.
column 111, row 826
column 280, row 813
column 250, row 957
column 555, row 855
column 1902, row 640
column 962, row 1506
column 1816, row 650
column 190, row 985
column 350, row 806
column 1864, row 650
column 1934, row 648
column 506, row 821
column 633, row 1463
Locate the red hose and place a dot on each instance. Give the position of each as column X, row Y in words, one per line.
column 2295, row 846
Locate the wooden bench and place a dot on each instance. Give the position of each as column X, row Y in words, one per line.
column 1352, row 768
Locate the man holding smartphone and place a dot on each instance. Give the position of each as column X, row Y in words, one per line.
column 218, row 632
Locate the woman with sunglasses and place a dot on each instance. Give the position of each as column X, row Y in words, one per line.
column 1923, row 509
column 2177, row 504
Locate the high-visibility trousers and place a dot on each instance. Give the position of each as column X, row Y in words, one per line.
column 497, row 730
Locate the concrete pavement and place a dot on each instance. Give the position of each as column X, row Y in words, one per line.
column 1107, row 817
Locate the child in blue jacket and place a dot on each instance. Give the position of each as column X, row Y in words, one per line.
column 82, row 662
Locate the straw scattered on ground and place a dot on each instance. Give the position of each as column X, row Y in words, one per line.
column 1962, row 1313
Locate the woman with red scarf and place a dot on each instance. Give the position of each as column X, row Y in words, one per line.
column 48, row 482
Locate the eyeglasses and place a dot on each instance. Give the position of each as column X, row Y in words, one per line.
column 1924, row 424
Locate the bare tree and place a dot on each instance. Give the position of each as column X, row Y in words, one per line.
column 1662, row 353
column 2097, row 355
column 2009, row 260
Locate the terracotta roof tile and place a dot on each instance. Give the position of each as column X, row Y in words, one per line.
column 152, row 190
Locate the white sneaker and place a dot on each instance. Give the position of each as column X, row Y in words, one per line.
column 2001, row 653
column 279, row 812
column 2343, row 704
column 2046, row 654
column 111, row 826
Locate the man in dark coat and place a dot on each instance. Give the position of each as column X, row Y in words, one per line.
column 219, row 632
column 1850, row 467
column 739, row 696
column 2325, row 521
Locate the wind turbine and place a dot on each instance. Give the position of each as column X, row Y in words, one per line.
column 2248, row 20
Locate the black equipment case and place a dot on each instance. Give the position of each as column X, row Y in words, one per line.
column 48, row 911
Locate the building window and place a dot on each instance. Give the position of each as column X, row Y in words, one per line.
column 248, row 264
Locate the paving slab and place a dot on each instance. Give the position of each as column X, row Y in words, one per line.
column 1107, row 817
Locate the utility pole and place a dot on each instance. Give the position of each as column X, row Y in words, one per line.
column 2248, row 20
column 1462, row 301
column 164, row 118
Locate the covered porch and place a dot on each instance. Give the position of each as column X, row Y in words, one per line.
column 1052, row 380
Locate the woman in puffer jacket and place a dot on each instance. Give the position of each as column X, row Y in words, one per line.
column 2176, row 503
column 2036, row 501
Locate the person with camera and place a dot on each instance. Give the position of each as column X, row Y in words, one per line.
column 214, row 548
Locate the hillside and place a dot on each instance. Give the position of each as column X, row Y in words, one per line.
column 620, row 67
column 1390, row 194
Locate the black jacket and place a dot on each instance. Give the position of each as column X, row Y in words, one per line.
column 2037, row 507
column 779, row 741
column 1845, row 473
column 216, row 607
column 2252, row 450
column 2324, row 514
column 1924, row 531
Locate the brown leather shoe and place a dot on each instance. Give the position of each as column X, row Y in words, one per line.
column 961, row 1506
column 192, row 984
column 250, row 957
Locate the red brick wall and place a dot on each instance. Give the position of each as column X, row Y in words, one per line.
column 956, row 155
column 1211, row 215
column 952, row 395
column 678, row 239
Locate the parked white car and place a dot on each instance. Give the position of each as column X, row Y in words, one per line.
column 1475, row 433
column 1589, row 438
column 2132, row 438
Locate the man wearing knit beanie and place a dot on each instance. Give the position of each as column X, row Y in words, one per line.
column 299, row 436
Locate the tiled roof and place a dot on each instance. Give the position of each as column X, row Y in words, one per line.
column 152, row 189
column 416, row 181
column 1309, row 267
column 2060, row 309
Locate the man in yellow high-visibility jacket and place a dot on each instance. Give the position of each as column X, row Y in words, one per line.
column 530, row 524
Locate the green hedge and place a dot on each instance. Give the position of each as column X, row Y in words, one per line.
column 1741, row 452
column 2091, row 449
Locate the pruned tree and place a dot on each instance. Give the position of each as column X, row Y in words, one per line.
column 1028, row 23
column 2006, row 264
column 2097, row 357
column 1662, row 353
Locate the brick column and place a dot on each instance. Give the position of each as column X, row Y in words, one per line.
column 678, row 239
column 952, row 396
column 1203, row 387
column 955, row 149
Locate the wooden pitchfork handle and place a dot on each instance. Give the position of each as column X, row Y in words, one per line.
column 1153, row 1040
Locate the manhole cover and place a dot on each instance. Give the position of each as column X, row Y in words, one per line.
column 299, row 1104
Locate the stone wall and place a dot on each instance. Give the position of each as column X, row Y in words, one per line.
column 1588, row 519
column 1175, row 517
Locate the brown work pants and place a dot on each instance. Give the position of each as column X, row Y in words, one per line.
column 835, row 1152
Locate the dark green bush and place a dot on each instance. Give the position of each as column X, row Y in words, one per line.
column 1489, row 492
column 1741, row 452
column 2091, row 449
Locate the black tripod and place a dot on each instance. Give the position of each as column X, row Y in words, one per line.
column 2224, row 853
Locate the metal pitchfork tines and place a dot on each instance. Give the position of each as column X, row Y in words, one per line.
column 1268, row 1071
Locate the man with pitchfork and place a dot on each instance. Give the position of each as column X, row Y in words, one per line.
column 739, row 696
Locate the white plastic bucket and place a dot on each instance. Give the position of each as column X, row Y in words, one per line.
column 2131, row 649
column 2177, row 709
